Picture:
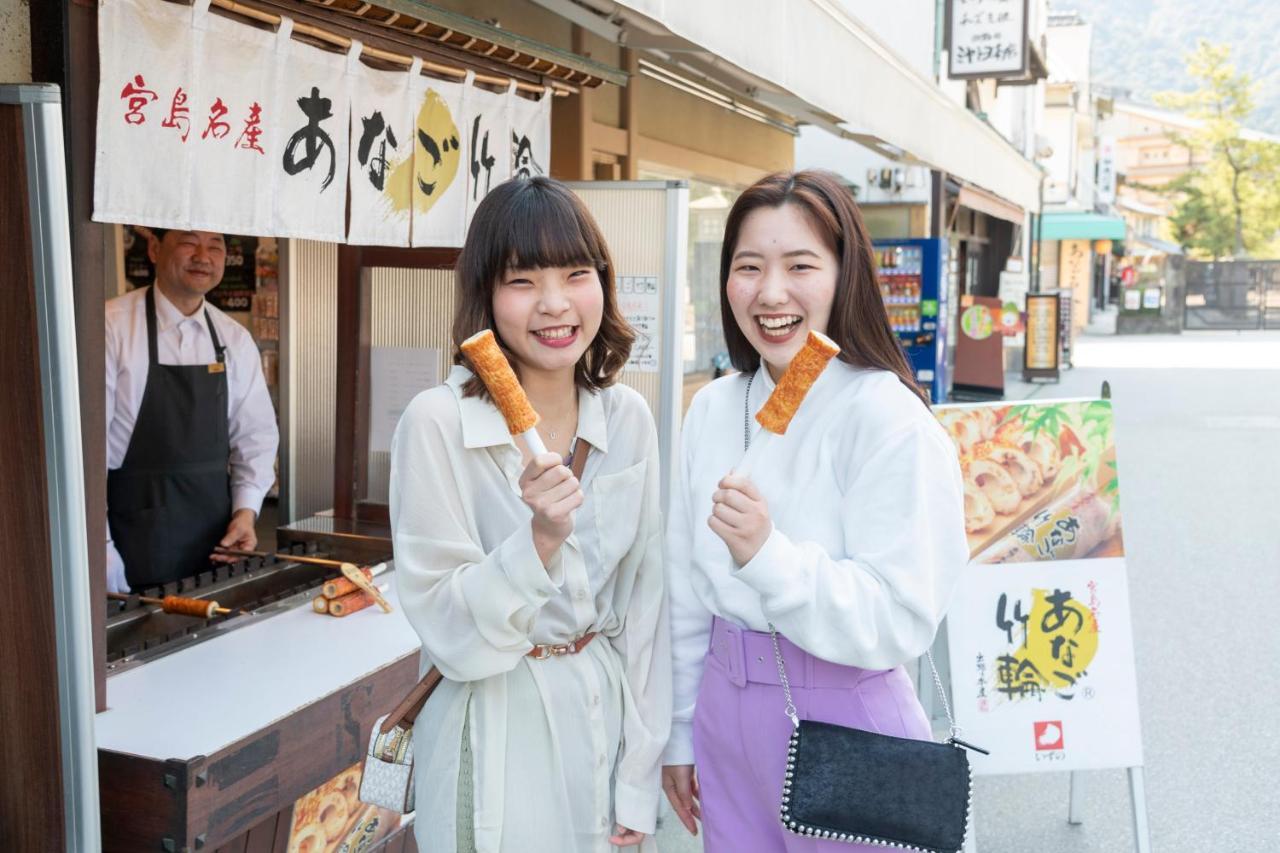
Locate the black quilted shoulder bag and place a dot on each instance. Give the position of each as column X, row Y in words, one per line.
column 859, row 787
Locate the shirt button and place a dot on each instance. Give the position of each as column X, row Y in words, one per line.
column 595, row 700
column 581, row 594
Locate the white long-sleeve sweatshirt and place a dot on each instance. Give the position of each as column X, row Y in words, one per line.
column 867, row 504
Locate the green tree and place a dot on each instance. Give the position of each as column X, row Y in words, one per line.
column 1230, row 205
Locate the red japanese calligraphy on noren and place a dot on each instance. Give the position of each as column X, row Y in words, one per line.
column 252, row 130
column 139, row 96
column 217, row 127
column 179, row 114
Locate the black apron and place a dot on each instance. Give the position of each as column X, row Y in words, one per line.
column 169, row 504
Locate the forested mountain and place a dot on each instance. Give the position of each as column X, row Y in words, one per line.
column 1141, row 45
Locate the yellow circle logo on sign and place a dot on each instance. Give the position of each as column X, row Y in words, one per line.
column 977, row 322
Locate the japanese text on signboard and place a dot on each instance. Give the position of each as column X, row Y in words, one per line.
column 987, row 38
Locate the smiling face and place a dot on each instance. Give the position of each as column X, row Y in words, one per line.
column 189, row 263
column 548, row 317
column 782, row 282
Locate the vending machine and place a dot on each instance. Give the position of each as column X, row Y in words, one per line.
column 913, row 281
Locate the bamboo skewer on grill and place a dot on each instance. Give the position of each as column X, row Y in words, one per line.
column 349, row 570
column 179, row 605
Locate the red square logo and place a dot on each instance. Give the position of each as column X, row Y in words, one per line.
column 1048, row 735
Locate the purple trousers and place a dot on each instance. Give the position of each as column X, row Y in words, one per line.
column 740, row 732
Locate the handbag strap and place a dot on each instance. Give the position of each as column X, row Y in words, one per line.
column 580, row 451
column 404, row 714
column 773, row 633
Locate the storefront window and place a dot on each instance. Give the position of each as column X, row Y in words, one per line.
column 705, row 354
column 704, row 347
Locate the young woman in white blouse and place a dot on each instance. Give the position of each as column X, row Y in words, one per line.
column 847, row 536
column 538, row 594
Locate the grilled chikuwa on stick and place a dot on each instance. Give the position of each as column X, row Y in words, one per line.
column 349, row 570
column 776, row 414
column 482, row 350
column 352, row 602
column 177, row 604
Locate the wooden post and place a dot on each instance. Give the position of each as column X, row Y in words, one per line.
column 31, row 795
column 630, row 117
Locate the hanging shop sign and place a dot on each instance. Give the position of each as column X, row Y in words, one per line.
column 987, row 39
column 1075, row 265
column 1040, row 635
column 1106, row 178
column 205, row 123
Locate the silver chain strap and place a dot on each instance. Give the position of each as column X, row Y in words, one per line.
column 773, row 632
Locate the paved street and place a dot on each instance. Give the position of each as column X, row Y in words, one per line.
column 1198, row 425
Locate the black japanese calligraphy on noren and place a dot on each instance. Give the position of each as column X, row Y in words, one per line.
column 522, row 163
column 485, row 160
column 377, row 130
column 316, row 109
column 435, row 150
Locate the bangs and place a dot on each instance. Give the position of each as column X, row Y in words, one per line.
column 546, row 227
column 530, row 224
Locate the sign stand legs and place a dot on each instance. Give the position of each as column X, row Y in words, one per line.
column 1074, row 817
column 1138, row 798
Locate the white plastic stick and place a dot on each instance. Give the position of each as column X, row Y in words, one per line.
column 534, row 441
column 754, row 451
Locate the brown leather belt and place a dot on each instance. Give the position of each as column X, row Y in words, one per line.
column 556, row 650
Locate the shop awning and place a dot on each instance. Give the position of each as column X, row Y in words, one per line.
column 1081, row 226
column 830, row 63
column 990, row 204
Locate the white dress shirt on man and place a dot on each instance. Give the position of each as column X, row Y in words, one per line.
column 562, row 747
column 867, row 505
column 251, row 419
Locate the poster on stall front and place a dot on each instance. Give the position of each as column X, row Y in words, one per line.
column 332, row 819
column 641, row 306
column 1040, row 637
column 381, row 164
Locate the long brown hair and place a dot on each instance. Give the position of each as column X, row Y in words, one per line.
column 535, row 223
column 859, row 323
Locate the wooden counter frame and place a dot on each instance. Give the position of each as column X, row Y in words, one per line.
column 244, row 793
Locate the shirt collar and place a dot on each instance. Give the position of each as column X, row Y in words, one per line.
column 484, row 426
column 168, row 315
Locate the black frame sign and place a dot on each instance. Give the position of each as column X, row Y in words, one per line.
column 1041, row 353
column 987, row 39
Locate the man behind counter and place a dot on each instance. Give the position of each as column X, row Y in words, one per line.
column 191, row 433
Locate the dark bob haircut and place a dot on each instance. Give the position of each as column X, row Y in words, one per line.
column 859, row 323
column 536, row 223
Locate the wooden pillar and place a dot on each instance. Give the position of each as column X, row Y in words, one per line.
column 630, row 117
column 571, row 120
column 351, row 322
column 31, row 797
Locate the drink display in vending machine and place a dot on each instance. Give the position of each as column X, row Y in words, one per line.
column 911, row 274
